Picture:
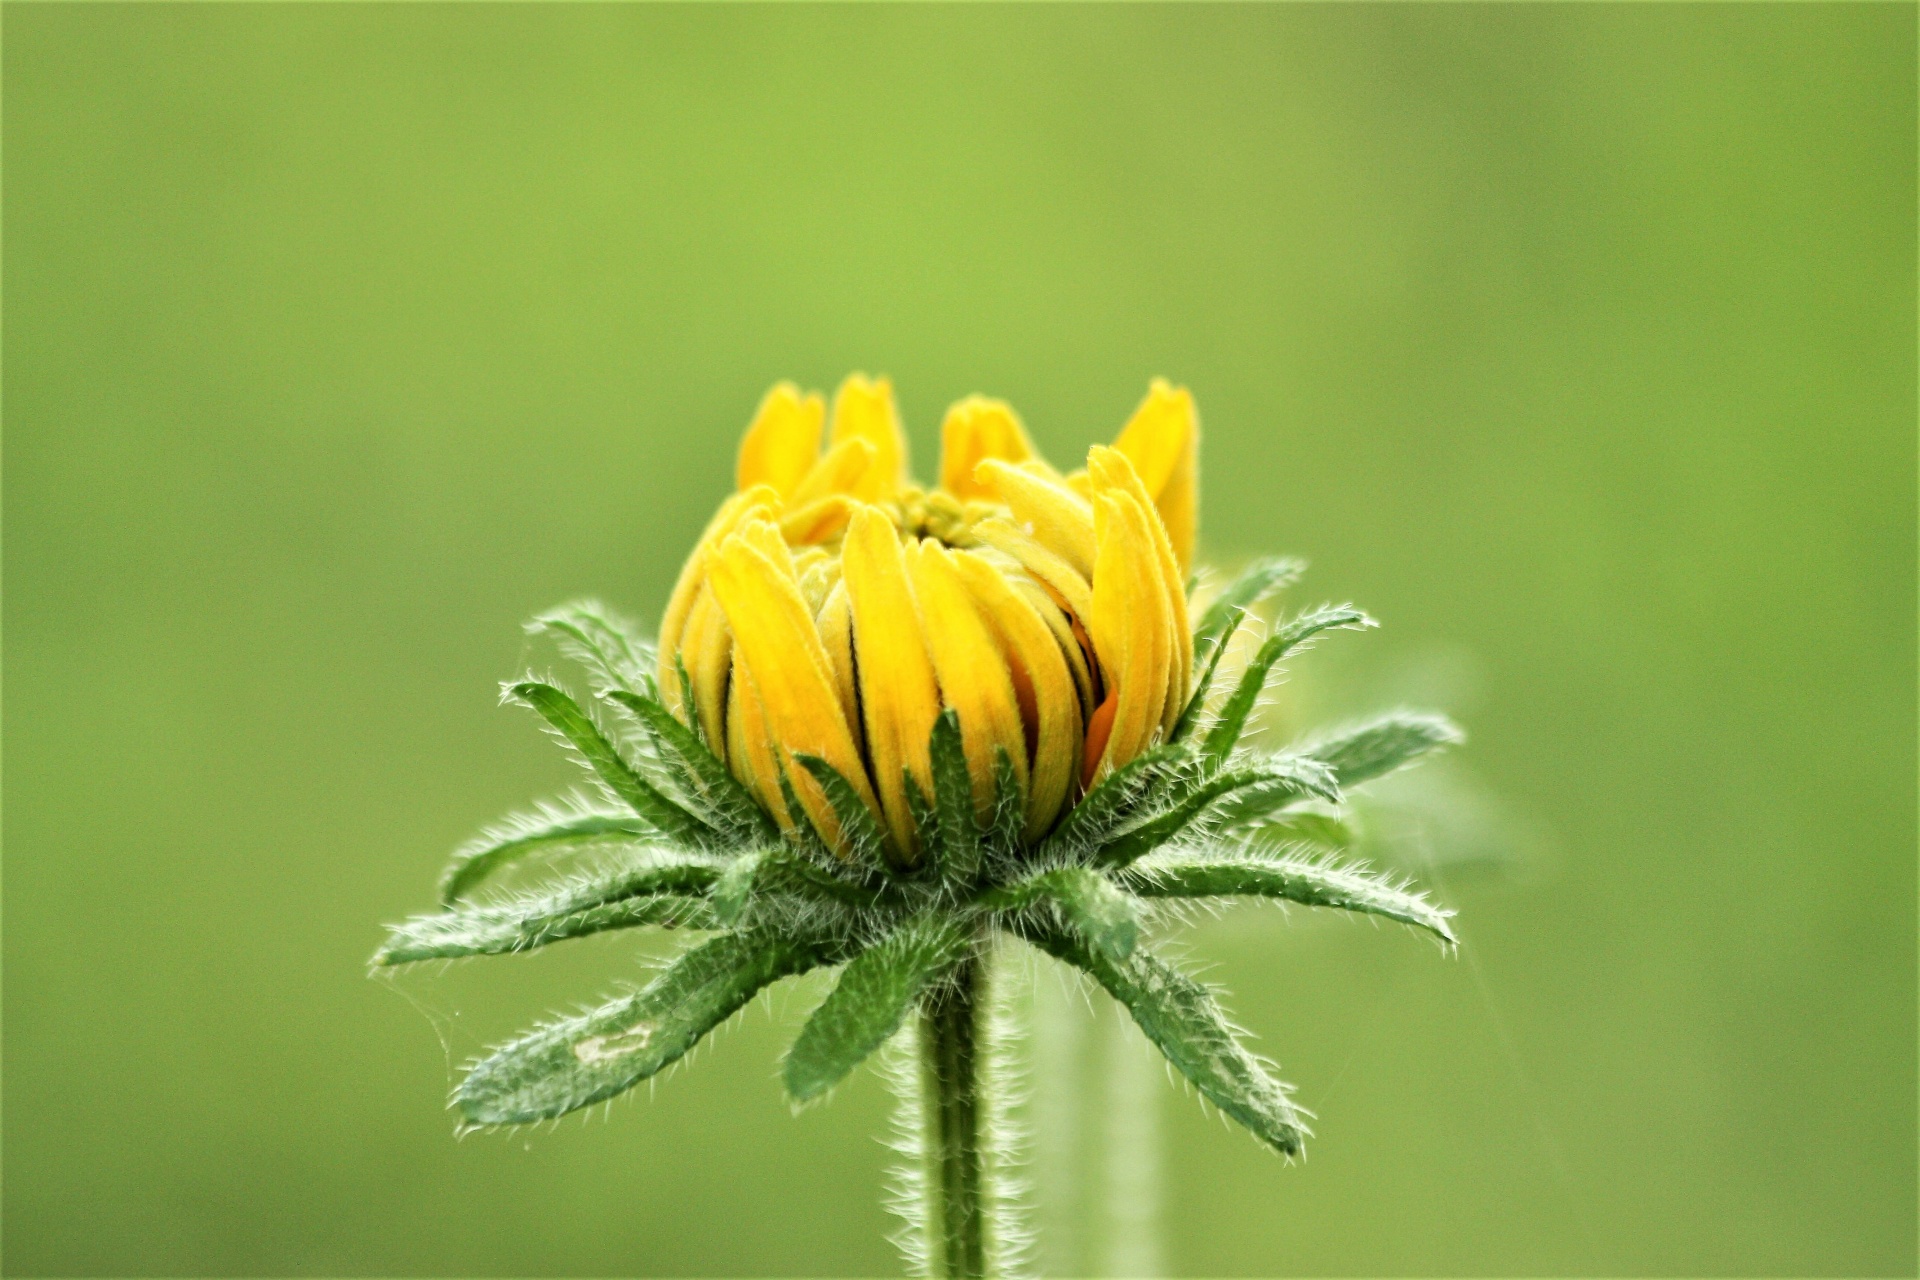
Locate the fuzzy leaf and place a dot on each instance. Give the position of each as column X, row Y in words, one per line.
column 1085, row 901
column 1107, row 807
column 1258, row 581
column 956, row 852
column 1226, row 731
column 665, row 896
column 866, row 845
column 1204, row 668
column 1225, row 799
column 875, row 992
column 565, row 715
column 1310, row 882
column 700, row 773
column 1009, row 806
column 600, row 640
column 1183, row 1021
column 576, row 1062
column 520, row 835
column 1384, row 745
column 735, row 886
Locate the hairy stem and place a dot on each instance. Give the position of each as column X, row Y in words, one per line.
column 952, row 1056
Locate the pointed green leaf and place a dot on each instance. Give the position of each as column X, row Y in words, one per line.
column 1258, row 581
column 1205, row 667
column 1009, row 817
column 700, row 773
column 1115, row 798
column 957, row 846
column 573, row 724
column 1224, row 800
column 866, row 845
column 1182, row 1019
column 1086, row 901
column 735, row 886
column 576, row 1062
column 666, row 894
column 1385, row 745
column 1226, row 731
column 875, row 992
column 607, row 645
column 518, row 835
column 1314, row 883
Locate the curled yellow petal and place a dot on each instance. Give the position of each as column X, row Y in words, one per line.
column 708, row 654
column 863, row 409
column 841, row 470
column 740, row 507
column 782, row 652
column 1130, row 626
column 783, row 441
column 750, row 751
column 974, row 678
column 1162, row 440
column 1054, row 516
column 818, row 521
column 1042, row 682
column 977, row 429
column 836, row 633
column 1109, row 470
column 1042, row 562
column 899, row 695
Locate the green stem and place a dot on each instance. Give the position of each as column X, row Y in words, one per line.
column 952, row 1022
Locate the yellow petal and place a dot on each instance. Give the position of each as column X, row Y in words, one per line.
column 1043, row 563
column 1162, row 440
column 863, row 409
column 1109, row 469
column 1042, row 682
column 821, row 520
column 1130, row 626
column 783, row 442
column 840, row 470
column 976, row 429
column 898, row 693
column 707, row 652
column 741, row 506
column 974, row 678
column 782, row 652
column 836, row 633
column 1053, row 516
column 750, row 751
column 1068, row 635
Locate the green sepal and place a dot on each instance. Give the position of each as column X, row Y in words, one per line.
column 1232, row 722
column 956, row 847
column 735, row 886
column 872, row 998
column 1205, row 667
column 1256, row 582
column 499, row 845
column 1381, row 746
column 700, row 773
column 866, row 844
column 1086, row 902
column 601, row 641
column 1181, row 1018
column 1305, row 826
column 1009, row 816
column 573, row 724
column 1225, row 799
column 668, row 895
column 1310, row 882
column 576, row 1062
column 1114, row 799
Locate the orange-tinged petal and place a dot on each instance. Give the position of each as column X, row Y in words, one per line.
column 750, row 750
column 1042, row 681
column 899, row 695
column 783, row 441
column 1162, row 440
column 863, row 409
column 977, row 429
column 1067, row 634
column 1053, row 516
column 741, row 506
column 1130, row 627
column 973, row 673
column 1110, row 469
column 782, row 652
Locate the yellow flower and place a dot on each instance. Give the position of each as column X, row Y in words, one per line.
column 834, row 609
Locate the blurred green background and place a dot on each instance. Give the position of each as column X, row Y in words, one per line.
column 1577, row 343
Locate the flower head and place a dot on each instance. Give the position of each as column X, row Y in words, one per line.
column 834, row 609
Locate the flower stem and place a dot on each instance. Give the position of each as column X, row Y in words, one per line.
column 952, row 1026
